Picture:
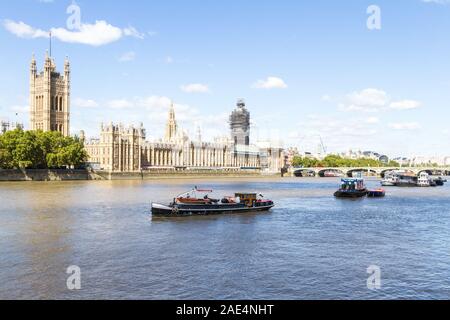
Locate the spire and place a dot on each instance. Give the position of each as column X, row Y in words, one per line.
column 172, row 112
column 33, row 63
column 66, row 65
column 171, row 126
column 199, row 134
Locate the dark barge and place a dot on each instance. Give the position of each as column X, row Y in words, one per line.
column 187, row 205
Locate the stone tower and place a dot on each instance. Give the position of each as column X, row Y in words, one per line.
column 240, row 125
column 171, row 126
column 50, row 97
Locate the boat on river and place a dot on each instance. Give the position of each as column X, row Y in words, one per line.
column 406, row 180
column 390, row 179
column 439, row 181
column 378, row 193
column 352, row 188
column 424, row 180
column 190, row 204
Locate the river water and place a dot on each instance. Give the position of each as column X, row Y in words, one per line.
column 311, row 246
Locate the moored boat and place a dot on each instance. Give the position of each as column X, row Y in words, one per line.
column 351, row 188
column 440, row 181
column 378, row 193
column 390, row 179
column 239, row 203
column 406, row 180
column 424, row 180
column 333, row 174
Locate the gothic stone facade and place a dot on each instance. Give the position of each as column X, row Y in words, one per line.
column 126, row 149
column 50, row 97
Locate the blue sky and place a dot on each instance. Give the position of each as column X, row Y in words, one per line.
column 305, row 68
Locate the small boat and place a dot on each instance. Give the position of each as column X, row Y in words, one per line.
column 378, row 193
column 351, row 188
column 188, row 204
column 389, row 180
column 332, row 174
column 440, row 181
column 424, row 180
column 406, row 180
column 304, row 173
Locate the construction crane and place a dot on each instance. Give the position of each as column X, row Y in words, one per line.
column 322, row 146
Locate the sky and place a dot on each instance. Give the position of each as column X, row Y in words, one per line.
column 356, row 76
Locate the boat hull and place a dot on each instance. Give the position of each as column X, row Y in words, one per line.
column 350, row 194
column 376, row 193
column 202, row 210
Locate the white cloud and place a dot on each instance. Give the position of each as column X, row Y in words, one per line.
column 405, row 126
column 326, row 98
column 154, row 102
column 372, row 120
column 195, row 88
column 270, row 83
column 84, row 103
column 119, row 104
column 375, row 100
column 405, row 105
column 127, row 56
column 367, row 100
column 97, row 34
column 168, row 60
column 23, row 30
column 132, row 32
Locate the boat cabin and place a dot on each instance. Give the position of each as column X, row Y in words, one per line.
column 249, row 199
column 352, row 184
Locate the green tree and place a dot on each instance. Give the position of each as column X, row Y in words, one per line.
column 336, row 161
column 40, row 150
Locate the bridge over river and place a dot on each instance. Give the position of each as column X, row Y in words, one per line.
column 377, row 171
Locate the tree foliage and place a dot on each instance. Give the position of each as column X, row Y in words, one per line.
column 40, row 150
column 335, row 161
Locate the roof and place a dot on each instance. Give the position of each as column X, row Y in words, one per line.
column 352, row 179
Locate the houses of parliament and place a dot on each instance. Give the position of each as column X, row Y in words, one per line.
column 122, row 148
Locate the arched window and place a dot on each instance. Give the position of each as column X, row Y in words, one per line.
column 60, row 104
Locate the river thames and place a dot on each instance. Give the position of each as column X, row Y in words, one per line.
column 310, row 246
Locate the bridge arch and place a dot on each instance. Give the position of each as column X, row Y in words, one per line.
column 362, row 170
column 321, row 173
column 383, row 173
column 304, row 173
column 432, row 172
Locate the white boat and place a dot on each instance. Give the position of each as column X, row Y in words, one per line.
column 390, row 180
column 424, row 180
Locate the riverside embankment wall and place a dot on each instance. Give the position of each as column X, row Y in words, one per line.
column 73, row 175
column 47, row 175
